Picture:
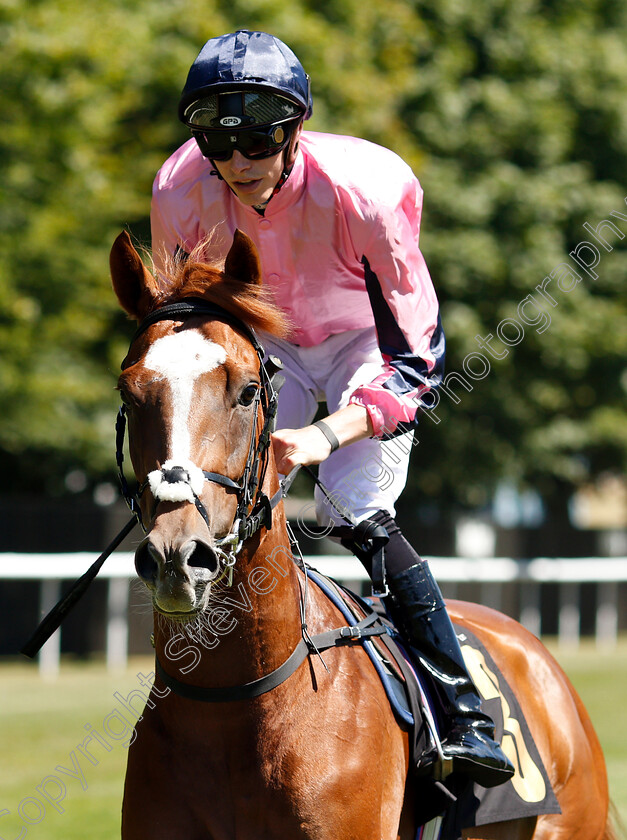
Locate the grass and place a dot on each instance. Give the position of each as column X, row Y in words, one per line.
column 41, row 723
column 601, row 681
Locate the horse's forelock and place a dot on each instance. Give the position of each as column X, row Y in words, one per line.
column 249, row 302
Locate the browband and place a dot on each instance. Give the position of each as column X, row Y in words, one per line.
column 195, row 306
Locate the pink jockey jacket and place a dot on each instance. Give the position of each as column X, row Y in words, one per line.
column 339, row 249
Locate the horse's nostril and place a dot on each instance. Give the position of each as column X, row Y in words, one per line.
column 146, row 563
column 203, row 560
column 175, row 474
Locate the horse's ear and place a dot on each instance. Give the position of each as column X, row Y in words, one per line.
column 133, row 284
column 242, row 261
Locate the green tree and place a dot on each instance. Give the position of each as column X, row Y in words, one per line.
column 86, row 89
column 511, row 116
column 518, row 109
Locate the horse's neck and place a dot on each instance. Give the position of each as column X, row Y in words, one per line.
column 249, row 628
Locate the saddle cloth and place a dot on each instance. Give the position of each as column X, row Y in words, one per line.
column 442, row 817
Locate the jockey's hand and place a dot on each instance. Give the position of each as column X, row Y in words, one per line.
column 299, row 446
column 310, row 446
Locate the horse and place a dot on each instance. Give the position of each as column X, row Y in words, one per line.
column 293, row 745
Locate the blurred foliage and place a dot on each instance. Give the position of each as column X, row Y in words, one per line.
column 511, row 114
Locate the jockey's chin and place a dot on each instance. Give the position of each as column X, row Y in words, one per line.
column 252, row 181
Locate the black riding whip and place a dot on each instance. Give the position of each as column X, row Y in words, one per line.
column 56, row 615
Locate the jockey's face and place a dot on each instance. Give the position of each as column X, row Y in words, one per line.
column 252, row 181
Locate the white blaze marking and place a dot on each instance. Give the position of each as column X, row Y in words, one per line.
column 180, row 359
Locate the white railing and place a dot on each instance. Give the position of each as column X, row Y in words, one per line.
column 491, row 573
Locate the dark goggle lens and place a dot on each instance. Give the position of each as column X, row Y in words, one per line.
column 253, row 143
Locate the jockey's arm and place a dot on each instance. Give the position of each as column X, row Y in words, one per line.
column 310, row 445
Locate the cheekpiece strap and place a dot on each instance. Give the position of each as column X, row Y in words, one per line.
column 130, row 498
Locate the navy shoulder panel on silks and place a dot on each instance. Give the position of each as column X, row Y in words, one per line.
column 411, row 371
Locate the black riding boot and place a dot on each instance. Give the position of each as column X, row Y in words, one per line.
column 417, row 603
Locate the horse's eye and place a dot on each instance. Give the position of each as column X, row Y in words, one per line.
column 248, row 394
column 125, row 398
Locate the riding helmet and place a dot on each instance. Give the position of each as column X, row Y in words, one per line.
column 270, row 79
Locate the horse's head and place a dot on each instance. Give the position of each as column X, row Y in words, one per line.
column 195, row 394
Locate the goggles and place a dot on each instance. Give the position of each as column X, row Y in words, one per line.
column 254, row 143
column 239, row 109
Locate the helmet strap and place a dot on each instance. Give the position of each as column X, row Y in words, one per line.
column 289, row 160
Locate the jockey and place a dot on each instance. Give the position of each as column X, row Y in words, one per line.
column 336, row 223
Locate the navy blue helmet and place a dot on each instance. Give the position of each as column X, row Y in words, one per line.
column 244, row 79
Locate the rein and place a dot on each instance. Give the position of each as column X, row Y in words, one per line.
column 254, row 512
column 254, row 508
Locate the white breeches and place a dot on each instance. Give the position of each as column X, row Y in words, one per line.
column 368, row 475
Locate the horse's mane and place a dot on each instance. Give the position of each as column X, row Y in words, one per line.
column 194, row 278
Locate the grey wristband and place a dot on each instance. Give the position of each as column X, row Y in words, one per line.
column 329, row 434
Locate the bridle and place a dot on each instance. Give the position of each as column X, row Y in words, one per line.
column 254, row 508
column 254, row 511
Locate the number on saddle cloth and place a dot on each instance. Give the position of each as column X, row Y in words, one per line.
column 528, row 793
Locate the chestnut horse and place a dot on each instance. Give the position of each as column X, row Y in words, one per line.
column 320, row 755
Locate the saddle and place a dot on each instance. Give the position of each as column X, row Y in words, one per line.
column 446, row 804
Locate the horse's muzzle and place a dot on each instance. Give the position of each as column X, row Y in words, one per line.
column 176, row 574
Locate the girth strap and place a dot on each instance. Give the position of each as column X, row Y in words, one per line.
column 323, row 641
